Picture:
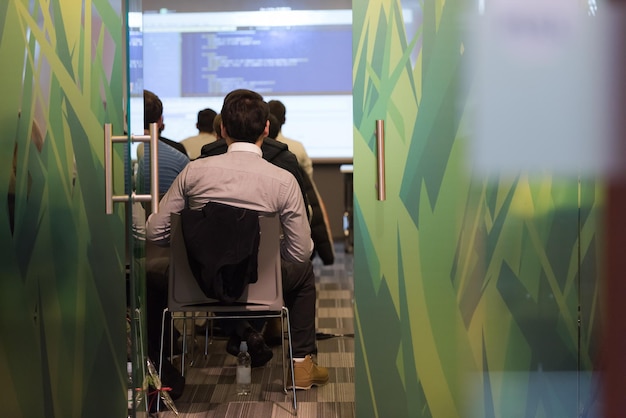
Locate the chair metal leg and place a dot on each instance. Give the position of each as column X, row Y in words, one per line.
column 183, row 357
column 162, row 341
column 206, row 337
column 282, row 346
column 189, row 349
column 212, row 330
column 161, row 348
column 293, row 377
column 192, row 352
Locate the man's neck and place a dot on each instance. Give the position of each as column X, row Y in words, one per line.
column 258, row 142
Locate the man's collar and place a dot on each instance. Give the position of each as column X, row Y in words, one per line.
column 245, row 146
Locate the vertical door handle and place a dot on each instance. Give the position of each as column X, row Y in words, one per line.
column 153, row 141
column 108, row 168
column 380, row 159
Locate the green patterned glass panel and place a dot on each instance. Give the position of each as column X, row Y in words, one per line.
column 62, row 293
column 467, row 288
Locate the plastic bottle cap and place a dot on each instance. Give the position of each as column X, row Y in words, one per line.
column 243, row 347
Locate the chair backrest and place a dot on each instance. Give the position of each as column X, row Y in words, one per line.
column 184, row 293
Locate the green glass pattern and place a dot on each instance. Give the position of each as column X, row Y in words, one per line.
column 62, row 261
column 467, row 289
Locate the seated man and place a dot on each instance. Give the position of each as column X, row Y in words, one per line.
column 206, row 134
column 242, row 178
column 278, row 154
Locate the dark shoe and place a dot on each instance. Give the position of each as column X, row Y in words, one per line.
column 232, row 346
column 273, row 332
column 259, row 351
column 171, row 377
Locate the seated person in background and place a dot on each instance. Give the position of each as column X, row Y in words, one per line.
column 242, row 178
column 320, row 225
column 156, row 108
column 217, row 128
column 320, row 229
column 206, row 134
column 171, row 163
column 277, row 108
column 275, row 129
column 171, row 159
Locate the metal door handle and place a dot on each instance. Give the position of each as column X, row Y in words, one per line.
column 380, row 160
column 109, row 140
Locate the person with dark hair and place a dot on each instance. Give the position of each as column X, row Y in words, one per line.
column 274, row 127
column 217, row 128
column 171, row 159
column 320, row 225
column 171, row 162
column 277, row 108
column 206, row 133
column 242, row 178
column 153, row 112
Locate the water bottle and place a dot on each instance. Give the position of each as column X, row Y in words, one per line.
column 129, row 384
column 244, row 376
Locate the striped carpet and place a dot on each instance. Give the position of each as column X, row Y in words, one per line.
column 210, row 389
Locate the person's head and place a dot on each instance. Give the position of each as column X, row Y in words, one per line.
column 205, row 120
column 244, row 116
column 152, row 110
column 277, row 108
column 217, row 126
column 274, row 126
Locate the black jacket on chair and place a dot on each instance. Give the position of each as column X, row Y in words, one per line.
column 222, row 246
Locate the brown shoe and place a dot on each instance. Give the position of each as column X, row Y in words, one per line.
column 308, row 374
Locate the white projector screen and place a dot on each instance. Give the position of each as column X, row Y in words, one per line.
column 191, row 59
